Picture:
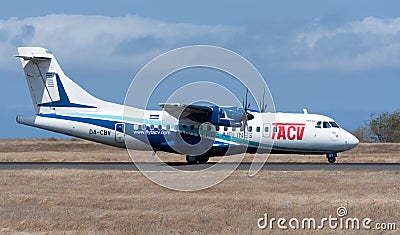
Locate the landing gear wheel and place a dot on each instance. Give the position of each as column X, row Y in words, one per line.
column 203, row 159
column 331, row 159
column 191, row 159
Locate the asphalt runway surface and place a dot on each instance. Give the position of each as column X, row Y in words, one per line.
column 129, row 166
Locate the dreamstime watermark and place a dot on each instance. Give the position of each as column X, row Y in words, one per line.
column 338, row 221
column 143, row 127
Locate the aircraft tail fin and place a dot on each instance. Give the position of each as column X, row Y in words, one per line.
column 50, row 88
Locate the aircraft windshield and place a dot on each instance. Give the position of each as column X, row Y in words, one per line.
column 334, row 124
column 321, row 124
column 326, row 125
column 318, row 125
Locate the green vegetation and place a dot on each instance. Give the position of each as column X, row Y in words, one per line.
column 384, row 128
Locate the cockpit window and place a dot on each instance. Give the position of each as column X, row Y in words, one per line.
column 326, row 125
column 318, row 125
column 334, row 124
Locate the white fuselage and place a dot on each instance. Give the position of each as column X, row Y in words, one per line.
column 284, row 132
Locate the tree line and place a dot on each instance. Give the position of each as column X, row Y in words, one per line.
column 382, row 128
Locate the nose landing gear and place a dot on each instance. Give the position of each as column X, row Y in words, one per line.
column 331, row 157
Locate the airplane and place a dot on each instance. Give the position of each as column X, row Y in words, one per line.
column 63, row 106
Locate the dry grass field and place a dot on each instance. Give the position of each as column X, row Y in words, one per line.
column 124, row 202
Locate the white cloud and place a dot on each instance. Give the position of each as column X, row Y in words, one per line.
column 129, row 40
column 124, row 42
column 367, row 44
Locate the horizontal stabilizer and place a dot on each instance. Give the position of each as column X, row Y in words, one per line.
column 34, row 53
column 34, row 57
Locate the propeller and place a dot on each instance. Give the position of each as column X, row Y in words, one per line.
column 246, row 115
column 263, row 104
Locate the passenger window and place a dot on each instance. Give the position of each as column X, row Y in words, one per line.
column 143, row 126
column 184, row 127
column 266, row 129
column 191, row 127
column 217, row 128
column 208, row 127
column 225, row 128
column 176, row 127
column 258, row 129
column 275, row 129
column 318, row 125
column 250, row 129
column 233, row 128
column 151, row 127
column 326, row 125
column 168, row 127
column 135, row 127
column 159, row 127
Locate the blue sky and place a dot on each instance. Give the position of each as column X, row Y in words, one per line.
column 338, row 58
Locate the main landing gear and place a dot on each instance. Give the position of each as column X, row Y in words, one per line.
column 196, row 159
column 331, row 157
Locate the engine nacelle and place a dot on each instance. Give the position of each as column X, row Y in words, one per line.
column 227, row 116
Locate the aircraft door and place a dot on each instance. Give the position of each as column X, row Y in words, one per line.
column 266, row 131
column 120, row 132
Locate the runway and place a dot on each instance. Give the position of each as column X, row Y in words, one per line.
column 129, row 166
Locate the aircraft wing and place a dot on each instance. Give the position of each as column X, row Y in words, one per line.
column 197, row 113
column 221, row 116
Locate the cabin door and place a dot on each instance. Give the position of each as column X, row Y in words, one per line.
column 120, row 132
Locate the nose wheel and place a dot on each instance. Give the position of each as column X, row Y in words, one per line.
column 331, row 157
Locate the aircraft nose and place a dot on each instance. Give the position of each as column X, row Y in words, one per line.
column 351, row 140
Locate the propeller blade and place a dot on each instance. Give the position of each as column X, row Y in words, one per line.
column 247, row 93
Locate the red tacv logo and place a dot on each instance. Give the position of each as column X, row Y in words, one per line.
column 288, row 131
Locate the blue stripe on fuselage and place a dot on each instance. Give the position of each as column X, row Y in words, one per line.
column 97, row 122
